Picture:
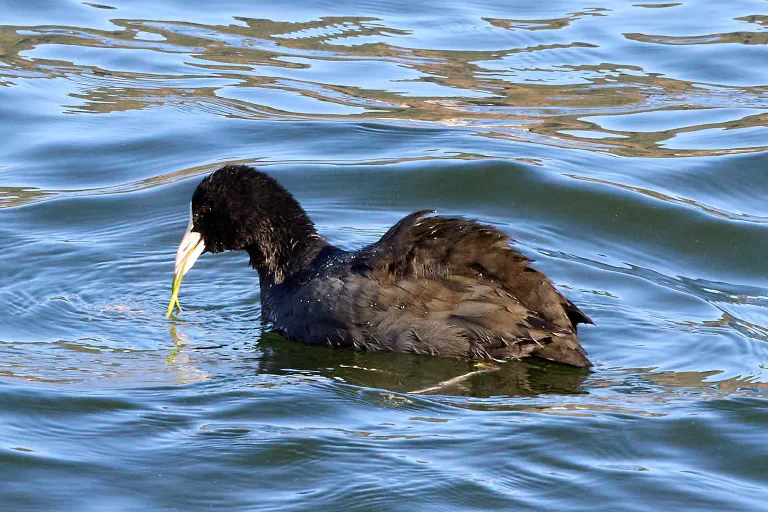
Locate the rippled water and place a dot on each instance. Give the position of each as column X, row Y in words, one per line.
column 623, row 144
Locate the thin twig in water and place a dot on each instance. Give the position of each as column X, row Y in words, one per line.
column 455, row 380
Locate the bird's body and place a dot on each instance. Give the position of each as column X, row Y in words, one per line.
column 433, row 285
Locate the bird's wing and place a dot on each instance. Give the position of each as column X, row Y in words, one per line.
column 433, row 246
column 451, row 254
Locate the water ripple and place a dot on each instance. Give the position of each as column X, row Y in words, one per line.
column 623, row 146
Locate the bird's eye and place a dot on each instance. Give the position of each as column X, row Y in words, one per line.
column 205, row 209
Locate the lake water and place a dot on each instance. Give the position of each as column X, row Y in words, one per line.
column 623, row 144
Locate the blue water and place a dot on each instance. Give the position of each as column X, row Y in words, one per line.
column 624, row 145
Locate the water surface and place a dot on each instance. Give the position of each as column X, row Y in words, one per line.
column 624, row 145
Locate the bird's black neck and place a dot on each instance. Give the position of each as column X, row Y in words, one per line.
column 287, row 241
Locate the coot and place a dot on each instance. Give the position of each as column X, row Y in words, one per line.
column 434, row 285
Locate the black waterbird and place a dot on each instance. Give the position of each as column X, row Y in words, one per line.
column 434, row 285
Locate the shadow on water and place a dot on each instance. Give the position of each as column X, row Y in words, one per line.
column 273, row 355
column 407, row 373
column 418, row 375
column 399, row 373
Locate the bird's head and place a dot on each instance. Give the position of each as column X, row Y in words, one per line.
column 240, row 208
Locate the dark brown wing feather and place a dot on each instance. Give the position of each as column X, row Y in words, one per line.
column 461, row 280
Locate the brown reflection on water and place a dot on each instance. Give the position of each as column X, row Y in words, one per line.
column 546, row 24
column 733, row 37
column 657, row 6
column 478, row 89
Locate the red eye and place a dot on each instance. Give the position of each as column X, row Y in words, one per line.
column 205, row 209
